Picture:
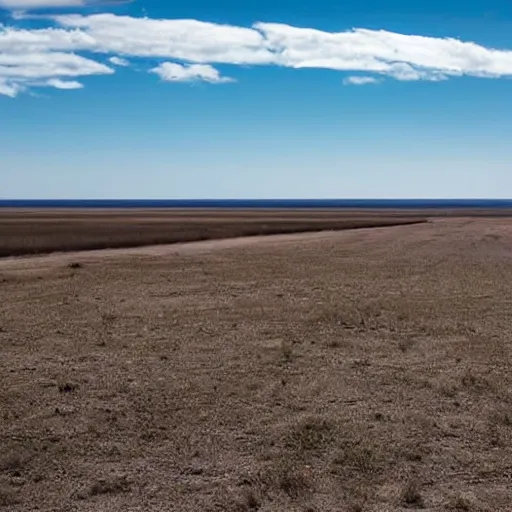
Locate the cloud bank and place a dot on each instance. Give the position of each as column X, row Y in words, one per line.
column 190, row 50
column 49, row 4
column 38, row 4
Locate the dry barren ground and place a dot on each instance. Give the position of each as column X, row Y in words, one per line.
column 354, row 371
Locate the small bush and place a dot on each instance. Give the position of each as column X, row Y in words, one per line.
column 293, row 482
column 286, row 351
column 112, row 485
column 411, row 495
column 67, row 387
column 251, row 500
column 478, row 383
column 11, row 462
column 405, row 344
column 8, row 497
column 14, row 460
column 462, row 503
column 501, row 417
column 311, row 433
column 358, row 458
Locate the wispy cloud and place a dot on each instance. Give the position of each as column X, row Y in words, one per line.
column 54, row 51
column 19, row 72
column 10, row 89
column 48, row 65
column 172, row 72
column 360, row 80
column 64, row 84
column 118, row 61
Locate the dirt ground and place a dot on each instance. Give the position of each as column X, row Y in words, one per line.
column 363, row 370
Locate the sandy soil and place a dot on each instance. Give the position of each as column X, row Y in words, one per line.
column 355, row 371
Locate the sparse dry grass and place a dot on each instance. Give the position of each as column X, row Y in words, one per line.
column 356, row 371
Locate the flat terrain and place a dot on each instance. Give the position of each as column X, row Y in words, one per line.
column 24, row 232
column 365, row 370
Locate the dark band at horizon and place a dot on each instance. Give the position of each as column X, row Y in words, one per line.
column 261, row 203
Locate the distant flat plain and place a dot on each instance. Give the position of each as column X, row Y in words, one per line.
column 354, row 370
column 35, row 231
column 25, row 231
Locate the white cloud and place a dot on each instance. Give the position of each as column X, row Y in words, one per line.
column 19, row 72
column 47, row 65
column 188, row 40
column 64, row 84
column 118, row 61
column 40, row 4
column 195, row 46
column 406, row 57
column 19, row 42
column 360, row 80
column 37, row 4
column 172, row 72
column 9, row 89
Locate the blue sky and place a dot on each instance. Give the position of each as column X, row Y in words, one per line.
column 225, row 99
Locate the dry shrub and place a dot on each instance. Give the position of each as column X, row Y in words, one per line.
column 406, row 343
column 359, row 458
column 11, row 462
column 465, row 502
column 14, row 460
column 286, row 475
column 251, row 500
column 341, row 316
column 502, row 417
column 414, row 451
column 286, row 350
column 411, row 494
column 293, row 480
column 8, row 497
column 461, row 503
column 110, row 485
column 447, row 388
column 479, row 383
column 67, row 387
column 310, row 433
